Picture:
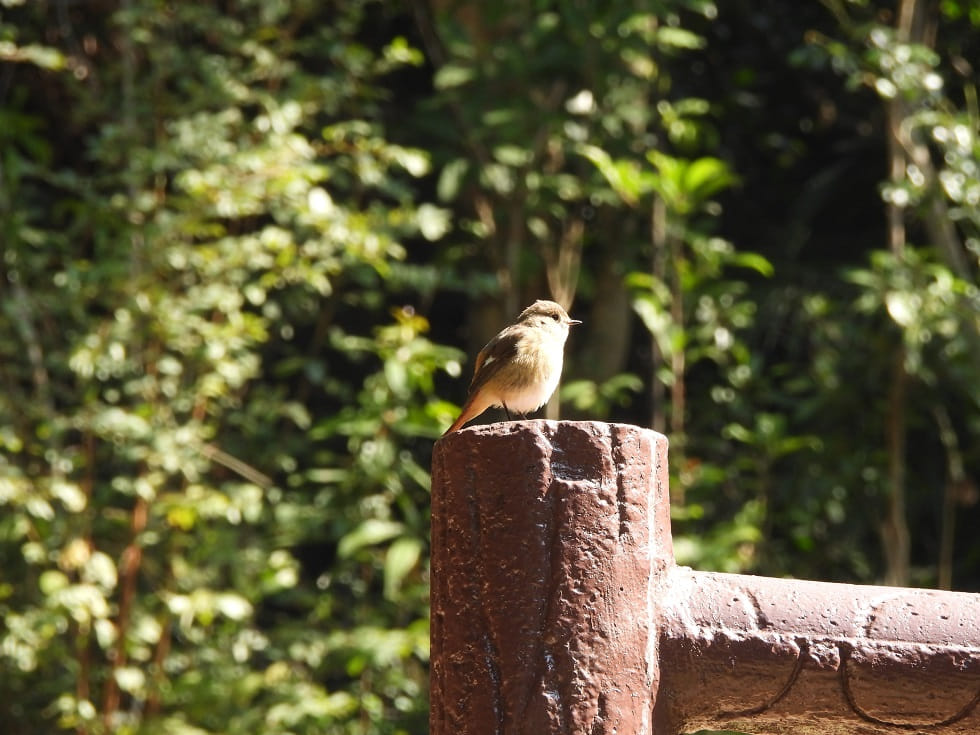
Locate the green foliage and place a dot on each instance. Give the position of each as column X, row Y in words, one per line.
column 602, row 397
column 235, row 245
column 160, row 468
column 932, row 308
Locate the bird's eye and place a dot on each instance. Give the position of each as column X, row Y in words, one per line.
column 556, row 317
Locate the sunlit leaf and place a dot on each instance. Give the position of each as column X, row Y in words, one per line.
column 402, row 556
column 371, row 532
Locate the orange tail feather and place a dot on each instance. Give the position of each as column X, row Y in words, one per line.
column 474, row 406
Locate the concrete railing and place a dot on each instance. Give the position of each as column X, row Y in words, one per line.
column 557, row 608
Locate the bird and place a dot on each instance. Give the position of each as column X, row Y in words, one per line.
column 520, row 367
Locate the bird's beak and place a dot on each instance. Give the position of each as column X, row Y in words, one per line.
column 573, row 322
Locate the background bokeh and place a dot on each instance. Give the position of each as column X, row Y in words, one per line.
column 249, row 248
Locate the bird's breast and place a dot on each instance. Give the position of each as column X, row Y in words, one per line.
column 529, row 381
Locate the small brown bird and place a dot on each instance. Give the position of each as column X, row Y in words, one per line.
column 519, row 369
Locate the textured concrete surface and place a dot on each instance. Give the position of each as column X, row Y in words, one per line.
column 792, row 656
column 557, row 608
column 541, row 617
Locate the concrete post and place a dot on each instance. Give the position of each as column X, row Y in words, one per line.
column 541, row 565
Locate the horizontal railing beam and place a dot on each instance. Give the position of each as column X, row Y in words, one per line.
column 778, row 655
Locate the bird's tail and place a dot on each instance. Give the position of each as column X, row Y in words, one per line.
column 474, row 406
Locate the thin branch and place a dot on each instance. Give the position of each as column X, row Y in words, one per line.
column 83, row 655
column 160, row 653
column 35, row 357
column 955, row 481
column 658, row 266
column 129, row 566
column 239, row 467
column 894, row 527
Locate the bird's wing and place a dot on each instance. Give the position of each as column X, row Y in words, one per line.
column 497, row 353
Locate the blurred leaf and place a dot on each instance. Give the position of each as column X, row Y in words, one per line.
column 371, row 532
column 452, row 75
column 402, row 556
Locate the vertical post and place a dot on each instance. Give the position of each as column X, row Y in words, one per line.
column 544, row 544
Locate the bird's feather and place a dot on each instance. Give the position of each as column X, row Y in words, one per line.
column 498, row 352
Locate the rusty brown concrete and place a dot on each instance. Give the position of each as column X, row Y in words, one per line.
column 541, row 562
column 792, row 656
column 557, row 608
